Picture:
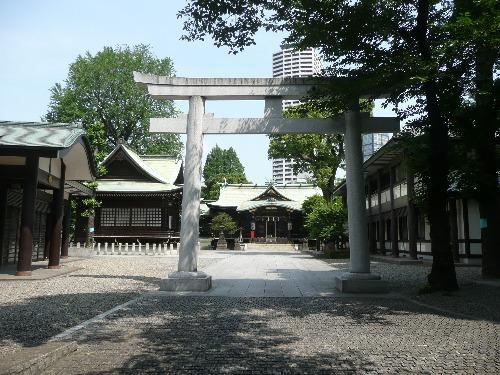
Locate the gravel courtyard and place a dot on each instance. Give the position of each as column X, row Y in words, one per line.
column 31, row 312
column 160, row 333
column 224, row 335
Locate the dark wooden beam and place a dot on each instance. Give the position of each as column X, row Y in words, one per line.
column 28, row 152
column 454, row 230
column 465, row 213
column 27, row 217
column 12, row 172
column 381, row 231
column 55, row 241
column 65, row 228
column 3, row 212
column 412, row 215
column 47, row 180
column 394, row 219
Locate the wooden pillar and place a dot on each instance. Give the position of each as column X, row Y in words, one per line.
column 371, row 234
column 90, row 230
column 3, row 213
column 65, row 228
column 55, row 240
column 394, row 219
column 454, row 230
column 27, row 217
column 381, row 232
column 465, row 213
column 411, row 221
column 48, row 231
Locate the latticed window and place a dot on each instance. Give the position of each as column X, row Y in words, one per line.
column 154, row 217
column 122, row 217
column 107, row 217
column 139, row 216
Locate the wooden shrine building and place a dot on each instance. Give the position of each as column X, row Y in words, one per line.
column 140, row 198
column 42, row 166
column 396, row 226
column 265, row 213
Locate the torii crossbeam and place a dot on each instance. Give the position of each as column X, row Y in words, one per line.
column 273, row 91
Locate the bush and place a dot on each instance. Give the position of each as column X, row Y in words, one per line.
column 222, row 222
column 325, row 220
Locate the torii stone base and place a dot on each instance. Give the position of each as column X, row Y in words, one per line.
column 183, row 281
column 351, row 282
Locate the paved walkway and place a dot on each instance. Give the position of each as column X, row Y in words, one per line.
column 267, row 315
column 272, row 274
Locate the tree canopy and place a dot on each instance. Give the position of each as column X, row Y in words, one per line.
column 222, row 222
column 433, row 59
column 100, row 92
column 317, row 154
column 221, row 166
column 324, row 220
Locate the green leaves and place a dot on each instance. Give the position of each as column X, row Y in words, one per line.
column 100, row 91
column 222, row 222
column 324, row 220
column 317, row 154
column 221, row 166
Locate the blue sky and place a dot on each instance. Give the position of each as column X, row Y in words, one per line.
column 39, row 39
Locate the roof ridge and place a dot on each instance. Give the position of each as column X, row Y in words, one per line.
column 158, row 156
column 42, row 124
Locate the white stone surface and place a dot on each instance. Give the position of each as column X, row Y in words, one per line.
column 190, row 219
column 271, row 273
column 272, row 124
column 356, row 215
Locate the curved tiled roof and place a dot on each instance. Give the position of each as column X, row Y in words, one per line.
column 245, row 196
column 138, row 162
column 39, row 134
column 66, row 141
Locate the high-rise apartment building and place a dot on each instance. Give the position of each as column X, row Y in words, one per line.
column 292, row 63
column 372, row 142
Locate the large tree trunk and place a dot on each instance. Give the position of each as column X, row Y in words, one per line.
column 487, row 161
column 442, row 276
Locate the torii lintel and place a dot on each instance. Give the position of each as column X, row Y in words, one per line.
column 272, row 125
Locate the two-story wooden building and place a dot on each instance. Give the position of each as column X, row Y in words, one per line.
column 397, row 226
column 140, row 198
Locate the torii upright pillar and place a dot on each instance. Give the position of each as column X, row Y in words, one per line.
column 273, row 91
column 187, row 277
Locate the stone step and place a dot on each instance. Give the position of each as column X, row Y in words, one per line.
column 270, row 246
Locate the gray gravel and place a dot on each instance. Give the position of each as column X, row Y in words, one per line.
column 471, row 300
column 31, row 312
column 217, row 335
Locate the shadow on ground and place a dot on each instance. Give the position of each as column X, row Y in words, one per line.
column 214, row 335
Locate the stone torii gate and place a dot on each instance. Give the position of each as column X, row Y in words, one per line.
column 273, row 91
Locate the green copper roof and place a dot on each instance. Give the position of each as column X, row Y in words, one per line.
column 162, row 169
column 245, row 197
column 130, row 186
column 39, row 134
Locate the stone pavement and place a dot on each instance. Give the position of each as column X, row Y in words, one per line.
column 236, row 329
column 276, row 273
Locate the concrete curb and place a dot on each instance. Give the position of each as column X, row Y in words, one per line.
column 35, row 360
